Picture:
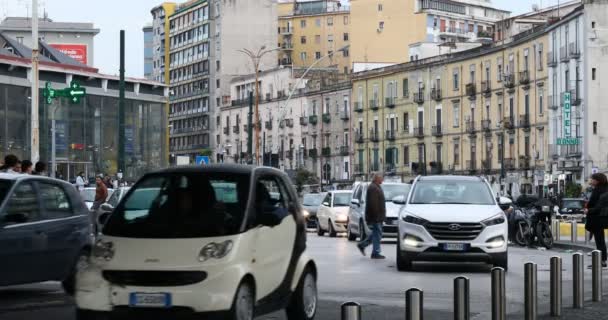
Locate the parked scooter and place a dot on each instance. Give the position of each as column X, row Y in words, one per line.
column 534, row 224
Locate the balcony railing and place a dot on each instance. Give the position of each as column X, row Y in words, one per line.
column 390, row 102
column 313, row 153
column 326, row 118
column 486, row 125
column 373, row 104
column 358, row 168
column 419, row 97
column 470, row 127
column 486, row 87
column 313, row 119
column 359, row 137
column 373, row 136
column 303, row 121
column 508, row 123
column 344, row 115
column 509, row 163
column 437, row 131
column 289, row 123
column 486, row 165
column 358, row 106
column 563, row 54
column 524, row 120
column 471, row 89
column 285, row 62
column 509, row 80
column 287, row 46
column 524, row 162
column 471, row 165
column 236, row 129
column 419, row 132
column 268, row 125
column 326, row 152
column 575, row 51
column 390, row 135
column 524, row 77
column 344, row 150
column 436, row 94
column 551, row 59
column 575, row 97
column 286, row 30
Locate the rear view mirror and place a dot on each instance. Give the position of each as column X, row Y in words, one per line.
column 355, row 202
column 326, row 204
column 106, row 208
column 504, row 203
column 399, row 200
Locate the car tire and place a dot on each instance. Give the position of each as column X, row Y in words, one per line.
column 90, row 315
column 69, row 283
column 243, row 306
column 331, row 231
column 320, row 231
column 502, row 261
column 303, row 304
column 404, row 263
column 349, row 234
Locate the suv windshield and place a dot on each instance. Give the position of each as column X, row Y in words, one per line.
column 573, row 204
column 394, row 190
column 5, row 187
column 452, row 192
column 312, row 199
column 342, row 199
column 182, row 205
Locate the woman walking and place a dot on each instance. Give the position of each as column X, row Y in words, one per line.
column 597, row 212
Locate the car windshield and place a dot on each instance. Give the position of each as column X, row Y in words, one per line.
column 394, row 190
column 116, row 196
column 188, row 205
column 452, row 192
column 5, row 187
column 88, row 194
column 312, row 199
column 342, row 199
column 573, row 204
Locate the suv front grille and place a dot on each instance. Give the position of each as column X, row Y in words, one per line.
column 154, row 278
column 450, row 231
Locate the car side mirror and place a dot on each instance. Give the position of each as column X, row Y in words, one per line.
column 106, row 208
column 504, row 203
column 355, row 202
column 400, row 200
column 269, row 219
column 103, row 218
column 326, row 204
column 15, row 218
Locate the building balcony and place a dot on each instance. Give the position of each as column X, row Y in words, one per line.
column 406, row 129
column 470, row 127
column 303, row 121
column 419, row 132
column 286, row 31
column 359, row 137
column 508, row 123
column 245, row 128
column 326, row 118
column 390, row 102
column 486, row 165
column 471, row 89
column 373, row 136
column 285, row 62
column 524, row 162
column 358, row 168
column 564, row 54
column 486, row 87
column 509, row 163
column 419, row 97
column 486, row 125
column 524, row 121
column 374, row 105
column 437, row 131
column 359, row 107
column 575, row 51
column 390, row 135
column 471, row 165
column 313, row 153
column 509, row 80
column 289, row 123
column 313, row 120
column 236, row 129
column 287, row 46
column 268, row 125
column 575, row 98
column 190, row 94
column 552, row 59
column 554, row 151
column 226, row 130
column 326, row 152
column 436, row 94
column 524, row 77
column 344, row 150
column 344, row 115
column 436, row 167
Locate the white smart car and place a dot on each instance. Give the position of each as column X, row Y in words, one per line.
column 332, row 215
column 213, row 240
column 451, row 218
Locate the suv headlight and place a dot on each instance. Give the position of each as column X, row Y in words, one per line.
column 215, row 250
column 497, row 219
column 414, row 220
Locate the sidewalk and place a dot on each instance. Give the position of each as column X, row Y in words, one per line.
column 592, row 311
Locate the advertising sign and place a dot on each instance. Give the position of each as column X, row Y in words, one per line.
column 77, row 52
column 61, row 140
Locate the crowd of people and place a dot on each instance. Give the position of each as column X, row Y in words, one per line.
column 12, row 164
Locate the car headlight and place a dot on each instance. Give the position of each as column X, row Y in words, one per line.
column 305, row 213
column 497, row 219
column 412, row 241
column 103, row 250
column 496, row 242
column 215, row 250
column 414, row 220
column 341, row 217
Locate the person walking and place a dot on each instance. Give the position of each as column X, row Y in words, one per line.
column 375, row 214
column 27, row 167
column 40, row 169
column 80, row 182
column 597, row 213
column 101, row 193
column 11, row 164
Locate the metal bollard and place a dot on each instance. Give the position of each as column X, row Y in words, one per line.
column 499, row 294
column 530, row 290
column 596, row 275
column 573, row 231
column 556, row 286
column 577, row 281
column 461, row 299
column 555, row 223
column 351, row 311
column 413, row 304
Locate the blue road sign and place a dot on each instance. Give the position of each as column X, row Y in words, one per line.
column 200, row 160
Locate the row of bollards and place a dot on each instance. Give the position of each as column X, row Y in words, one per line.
column 414, row 297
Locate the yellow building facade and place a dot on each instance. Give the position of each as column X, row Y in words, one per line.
column 478, row 112
column 309, row 31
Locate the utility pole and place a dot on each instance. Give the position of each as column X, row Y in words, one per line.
column 257, row 111
column 35, row 134
column 121, row 106
column 250, row 129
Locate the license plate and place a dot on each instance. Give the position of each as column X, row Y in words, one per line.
column 150, row 300
column 395, row 222
column 454, row 247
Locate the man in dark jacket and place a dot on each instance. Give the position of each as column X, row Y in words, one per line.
column 596, row 221
column 375, row 214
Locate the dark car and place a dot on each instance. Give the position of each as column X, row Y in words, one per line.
column 311, row 203
column 45, row 231
column 572, row 209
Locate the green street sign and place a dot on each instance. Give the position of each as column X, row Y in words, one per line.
column 74, row 93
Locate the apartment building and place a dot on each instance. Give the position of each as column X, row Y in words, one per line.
column 480, row 111
column 205, row 37
column 378, row 26
column 310, row 30
column 160, row 41
column 577, row 124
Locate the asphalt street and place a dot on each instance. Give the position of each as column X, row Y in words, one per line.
column 345, row 275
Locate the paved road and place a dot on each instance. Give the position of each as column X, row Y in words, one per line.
column 346, row 275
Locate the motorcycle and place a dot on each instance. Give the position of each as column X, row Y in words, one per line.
column 534, row 223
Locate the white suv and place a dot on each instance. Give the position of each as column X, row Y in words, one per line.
column 213, row 240
column 451, row 218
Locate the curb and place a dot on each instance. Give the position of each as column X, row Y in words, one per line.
column 572, row 246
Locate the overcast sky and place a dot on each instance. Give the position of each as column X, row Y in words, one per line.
column 110, row 16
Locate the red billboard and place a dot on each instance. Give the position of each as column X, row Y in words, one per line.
column 77, row 52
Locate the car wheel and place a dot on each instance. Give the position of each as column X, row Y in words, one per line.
column 330, row 227
column 320, row 231
column 243, row 304
column 69, row 283
column 303, row 304
column 90, row 315
column 502, row 261
column 403, row 262
column 349, row 234
column 544, row 235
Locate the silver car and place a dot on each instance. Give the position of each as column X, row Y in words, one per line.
column 356, row 226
